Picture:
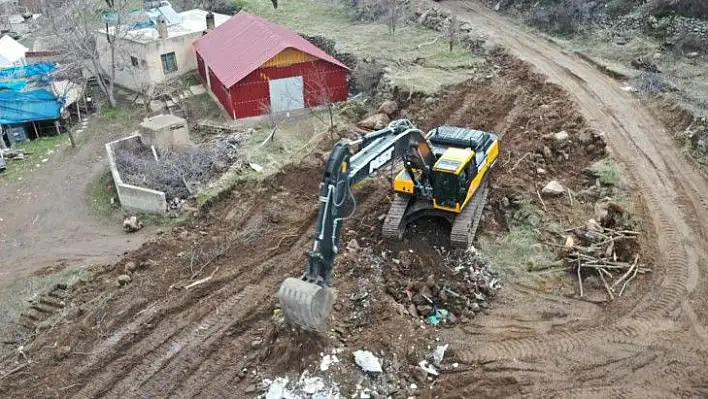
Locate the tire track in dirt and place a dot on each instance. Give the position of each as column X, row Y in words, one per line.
column 189, row 331
column 637, row 155
column 148, row 355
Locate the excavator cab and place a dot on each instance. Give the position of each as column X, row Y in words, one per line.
column 444, row 174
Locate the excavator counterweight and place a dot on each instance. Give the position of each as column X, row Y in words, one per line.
column 445, row 174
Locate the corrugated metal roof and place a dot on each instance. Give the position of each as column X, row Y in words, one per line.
column 244, row 42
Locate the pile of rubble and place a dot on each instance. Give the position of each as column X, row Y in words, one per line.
column 445, row 294
column 606, row 247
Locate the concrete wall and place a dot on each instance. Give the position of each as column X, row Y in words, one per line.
column 149, row 70
column 166, row 132
column 134, row 198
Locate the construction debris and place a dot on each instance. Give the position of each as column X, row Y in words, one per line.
column 367, row 361
column 455, row 291
column 16, row 154
column 305, row 387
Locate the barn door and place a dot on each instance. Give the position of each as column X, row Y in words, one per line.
column 286, row 94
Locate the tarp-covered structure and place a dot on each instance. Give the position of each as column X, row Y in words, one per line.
column 28, row 94
column 138, row 18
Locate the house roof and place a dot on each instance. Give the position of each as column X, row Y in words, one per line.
column 245, row 42
column 10, row 51
column 188, row 23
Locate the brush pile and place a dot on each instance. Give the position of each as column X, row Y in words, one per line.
column 607, row 248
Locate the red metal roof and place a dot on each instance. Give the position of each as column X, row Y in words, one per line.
column 245, row 42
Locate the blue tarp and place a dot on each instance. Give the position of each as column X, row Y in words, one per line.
column 35, row 105
column 138, row 18
column 15, row 85
column 28, row 71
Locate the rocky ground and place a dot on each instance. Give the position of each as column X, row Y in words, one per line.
column 194, row 311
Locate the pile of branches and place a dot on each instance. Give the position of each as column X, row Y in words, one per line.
column 608, row 248
column 176, row 172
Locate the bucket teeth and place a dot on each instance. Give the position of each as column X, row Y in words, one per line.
column 305, row 304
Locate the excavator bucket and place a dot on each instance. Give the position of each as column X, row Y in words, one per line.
column 305, row 304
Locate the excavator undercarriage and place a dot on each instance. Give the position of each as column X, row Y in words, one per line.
column 445, row 174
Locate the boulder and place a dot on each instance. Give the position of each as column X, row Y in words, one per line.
column 132, row 224
column 388, row 107
column 124, row 279
column 374, row 122
column 560, row 139
column 553, row 188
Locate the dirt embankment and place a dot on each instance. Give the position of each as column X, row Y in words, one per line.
column 197, row 317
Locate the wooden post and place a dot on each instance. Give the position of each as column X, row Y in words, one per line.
column 71, row 136
column 78, row 110
column 36, row 132
column 2, row 140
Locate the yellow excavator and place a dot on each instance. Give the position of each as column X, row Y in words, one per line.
column 445, row 173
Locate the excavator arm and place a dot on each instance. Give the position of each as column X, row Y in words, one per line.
column 307, row 301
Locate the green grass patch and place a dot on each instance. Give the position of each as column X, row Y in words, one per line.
column 292, row 140
column 607, row 172
column 103, row 197
column 517, row 254
column 37, row 151
column 121, row 112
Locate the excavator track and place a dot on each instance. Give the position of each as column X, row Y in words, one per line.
column 464, row 229
column 393, row 228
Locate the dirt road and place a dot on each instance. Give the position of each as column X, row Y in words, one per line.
column 675, row 194
column 46, row 216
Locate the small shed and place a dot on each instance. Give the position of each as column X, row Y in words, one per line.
column 255, row 67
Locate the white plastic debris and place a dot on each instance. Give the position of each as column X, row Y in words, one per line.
column 256, row 167
column 367, row 361
column 428, row 368
column 278, row 389
column 312, row 385
column 439, row 354
column 328, row 360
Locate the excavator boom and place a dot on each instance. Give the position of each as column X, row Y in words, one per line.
column 307, row 301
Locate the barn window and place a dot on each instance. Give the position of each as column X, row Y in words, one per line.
column 134, row 61
column 169, row 62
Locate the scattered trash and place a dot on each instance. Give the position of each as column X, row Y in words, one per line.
column 439, row 354
column 306, row 387
column 438, row 316
column 258, row 168
column 277, row 389
column 423, row 364
column 367, row 361
column 328, row 360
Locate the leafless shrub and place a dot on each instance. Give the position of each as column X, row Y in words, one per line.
column 566, row 17
column 651, row 83
column 691, row 42
column 685, row 8
column 176, row 169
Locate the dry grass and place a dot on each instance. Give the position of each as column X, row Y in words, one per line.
column 373, row 40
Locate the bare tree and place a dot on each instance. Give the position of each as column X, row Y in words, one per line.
column 452, row 31
column 323, row 95
column 87, row 42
